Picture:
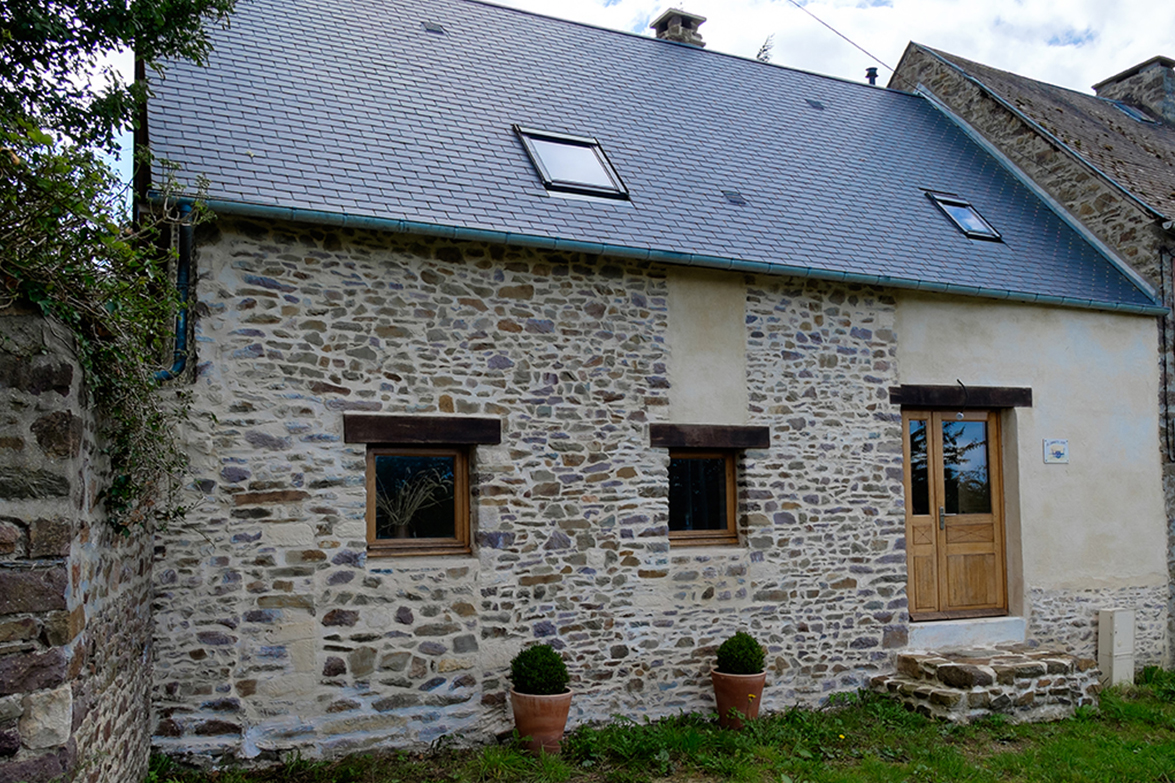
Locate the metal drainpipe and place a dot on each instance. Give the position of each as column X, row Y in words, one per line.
column 182, row 284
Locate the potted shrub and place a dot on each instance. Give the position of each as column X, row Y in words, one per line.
column 738, row 679
column 540, row 697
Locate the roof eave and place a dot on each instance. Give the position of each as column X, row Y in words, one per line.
column 396, row 225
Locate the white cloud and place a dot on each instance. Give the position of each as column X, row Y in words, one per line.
column 1073, row 43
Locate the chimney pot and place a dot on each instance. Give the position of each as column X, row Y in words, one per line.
column 871, row 75
column 677, row 25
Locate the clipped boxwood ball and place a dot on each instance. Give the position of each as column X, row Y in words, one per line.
column 539, row 671
column 741, row 654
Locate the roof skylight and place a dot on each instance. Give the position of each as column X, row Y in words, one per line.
column 573, row 164
column 965, row 217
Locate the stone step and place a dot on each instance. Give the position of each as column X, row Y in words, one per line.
column 1027, row 685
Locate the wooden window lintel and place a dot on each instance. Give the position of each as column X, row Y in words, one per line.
column 709, row 436
column 421, row 430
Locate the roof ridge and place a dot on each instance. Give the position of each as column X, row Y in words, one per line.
column 641, row 36
column 957, row 61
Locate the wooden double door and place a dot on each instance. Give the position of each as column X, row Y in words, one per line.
column 954, row 514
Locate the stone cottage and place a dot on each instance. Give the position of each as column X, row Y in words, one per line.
column 1108, row 159
column 511, row 329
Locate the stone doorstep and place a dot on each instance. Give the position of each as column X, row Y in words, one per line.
column 1025, row 684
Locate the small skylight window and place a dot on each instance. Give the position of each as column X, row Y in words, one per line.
column 572, row 164
column 964, row 216
column 433, row 27
column 1130, row 111
column 734, row 197
column 814, row 104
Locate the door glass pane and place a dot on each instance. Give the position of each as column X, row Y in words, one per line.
column 697, row 494
column 966, row 486
column 415, row 496
column 919, row 469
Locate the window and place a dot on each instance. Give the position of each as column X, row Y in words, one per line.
column 965, row 217
column 703, row 493
column 417, row 500
column 573, row 164
column 418, row 479
column 702, row 496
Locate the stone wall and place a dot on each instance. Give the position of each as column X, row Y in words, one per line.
column 1102, row 208
column 1069, row 619
column 74, row 595
column 275, row 631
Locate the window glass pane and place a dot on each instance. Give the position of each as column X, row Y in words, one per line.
column 572, row 163
column 919, row 469
column 968, row 218
column 415, row 496
column 697, row 494
column 964, row 464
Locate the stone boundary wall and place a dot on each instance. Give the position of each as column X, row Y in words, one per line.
column 74, row 595
column 276, row 632
column 1118, row 222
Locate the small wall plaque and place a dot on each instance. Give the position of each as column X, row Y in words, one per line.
column 1056, row 452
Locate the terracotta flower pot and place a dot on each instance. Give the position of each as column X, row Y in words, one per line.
column 541, row 718
column 741, row 692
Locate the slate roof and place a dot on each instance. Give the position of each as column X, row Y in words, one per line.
column 355, row 108
column 1138, row 155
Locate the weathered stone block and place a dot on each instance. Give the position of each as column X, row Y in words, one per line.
column 9, row 741
column 50, row 538
column 59, row 434
column 9, row 537
column 22, row 483
column 340, row 617
column 47, row 718
column 11, row 707
column 39, row 769
column 964, row 675
column 18, row 630
column 33, row 671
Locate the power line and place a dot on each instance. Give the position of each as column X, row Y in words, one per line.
column 833, row 29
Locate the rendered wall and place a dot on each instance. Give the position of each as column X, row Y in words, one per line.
column 74, row 595
column 1122, row 224
column 1086, row 535
column 276, row 632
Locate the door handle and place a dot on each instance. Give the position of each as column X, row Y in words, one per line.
column 942, row 518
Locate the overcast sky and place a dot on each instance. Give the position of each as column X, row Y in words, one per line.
column 1074, row 43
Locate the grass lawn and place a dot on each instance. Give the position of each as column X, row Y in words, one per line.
column 857, row 738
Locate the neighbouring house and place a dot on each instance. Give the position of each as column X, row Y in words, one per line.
column 1107, row 159
column 511, row 329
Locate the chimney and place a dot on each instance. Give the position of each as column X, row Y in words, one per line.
column 1150, row 85
column 871, row 75
column 675, row 25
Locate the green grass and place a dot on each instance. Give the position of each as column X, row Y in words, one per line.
column 859, row 737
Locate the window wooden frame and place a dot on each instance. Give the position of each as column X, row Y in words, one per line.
column 459, row 544
column 722, row 536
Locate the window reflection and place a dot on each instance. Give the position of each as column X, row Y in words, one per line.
column 966, row 487
column 919, row 469
column 415, row 496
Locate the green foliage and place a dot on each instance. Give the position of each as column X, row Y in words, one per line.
column 740, row 654
column 48, row 53
column 67, row 249
column 539, row 671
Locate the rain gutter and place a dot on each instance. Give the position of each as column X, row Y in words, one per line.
column 394, row 225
